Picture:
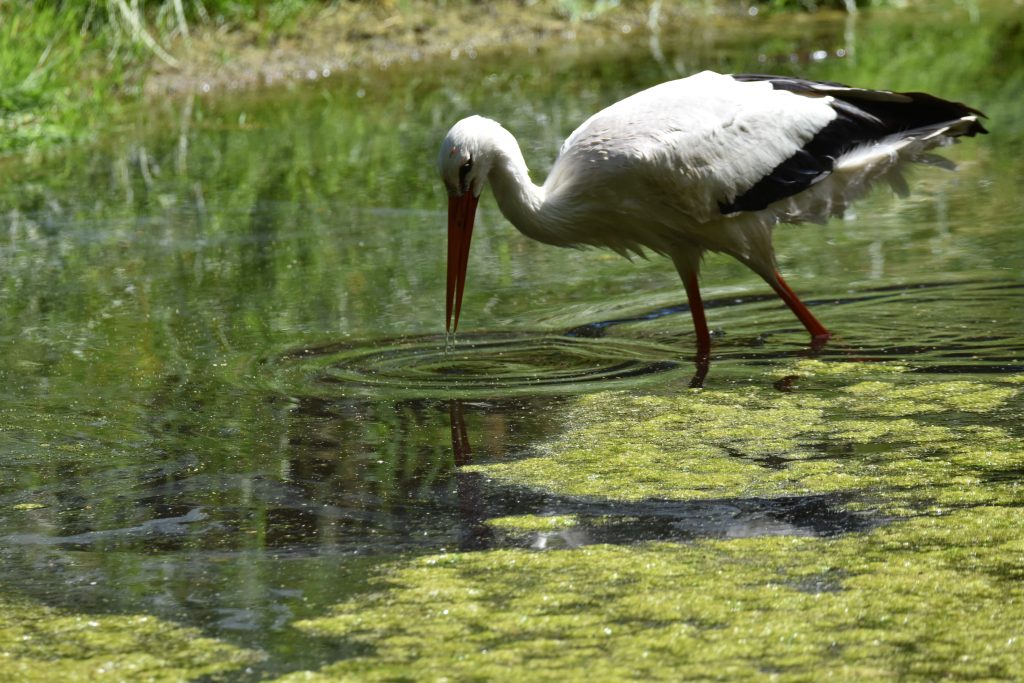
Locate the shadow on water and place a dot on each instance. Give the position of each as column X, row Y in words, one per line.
column 617, row 522
column 329, row 508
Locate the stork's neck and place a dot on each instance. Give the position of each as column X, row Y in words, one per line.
column 520, row 200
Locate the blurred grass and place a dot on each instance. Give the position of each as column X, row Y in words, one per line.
column 70, row 63
column 70, row 66
column 41, row 47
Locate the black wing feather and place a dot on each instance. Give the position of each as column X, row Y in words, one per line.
column 863, row 116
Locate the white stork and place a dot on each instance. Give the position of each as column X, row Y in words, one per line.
column 709, row 162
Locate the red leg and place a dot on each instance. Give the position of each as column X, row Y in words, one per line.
column 700, row 323
column 816, row 329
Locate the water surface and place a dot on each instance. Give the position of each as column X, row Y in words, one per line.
column 227, row 403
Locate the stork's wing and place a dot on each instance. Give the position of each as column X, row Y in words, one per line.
column 692, row 144
column 707, row 145
column 863, row 118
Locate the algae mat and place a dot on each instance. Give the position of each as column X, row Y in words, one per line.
column 932, row 591
column 42, row 644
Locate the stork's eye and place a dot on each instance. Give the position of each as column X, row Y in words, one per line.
column 464, row 171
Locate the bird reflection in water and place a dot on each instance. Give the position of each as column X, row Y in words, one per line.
column 481, row 499
column 474, row 533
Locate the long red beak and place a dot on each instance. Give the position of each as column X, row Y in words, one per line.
column 461, row 212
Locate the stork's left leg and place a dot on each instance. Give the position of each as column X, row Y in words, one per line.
column 700, row 322
column 816, row 329
column 687, row 262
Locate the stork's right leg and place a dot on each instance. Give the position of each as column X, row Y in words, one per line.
column 815, row 328
column 764, row 265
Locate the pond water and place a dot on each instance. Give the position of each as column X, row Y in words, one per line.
column 235, row 446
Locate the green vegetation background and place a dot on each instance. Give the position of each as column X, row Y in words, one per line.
column 68, row 66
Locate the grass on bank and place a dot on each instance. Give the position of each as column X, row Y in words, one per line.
column 70, row 65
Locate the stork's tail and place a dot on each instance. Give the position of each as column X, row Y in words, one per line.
column 877, row 113
column 872, row 133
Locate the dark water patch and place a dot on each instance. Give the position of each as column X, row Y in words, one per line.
column 457, row 518
column 971, row 369
column 598, row 522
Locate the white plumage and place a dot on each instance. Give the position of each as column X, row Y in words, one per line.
column 709, row 162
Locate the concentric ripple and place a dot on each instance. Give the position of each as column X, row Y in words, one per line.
column 482, row 364
column 949, row 328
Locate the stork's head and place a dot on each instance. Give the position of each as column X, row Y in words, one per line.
column 466, row 156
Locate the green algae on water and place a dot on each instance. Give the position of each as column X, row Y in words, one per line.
column 964, row 396
column 44, row 644
column 533, row 523
column 934, row 597
column 811, row 367
column 633, row 447
column 877, row 439
column 27, row 506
